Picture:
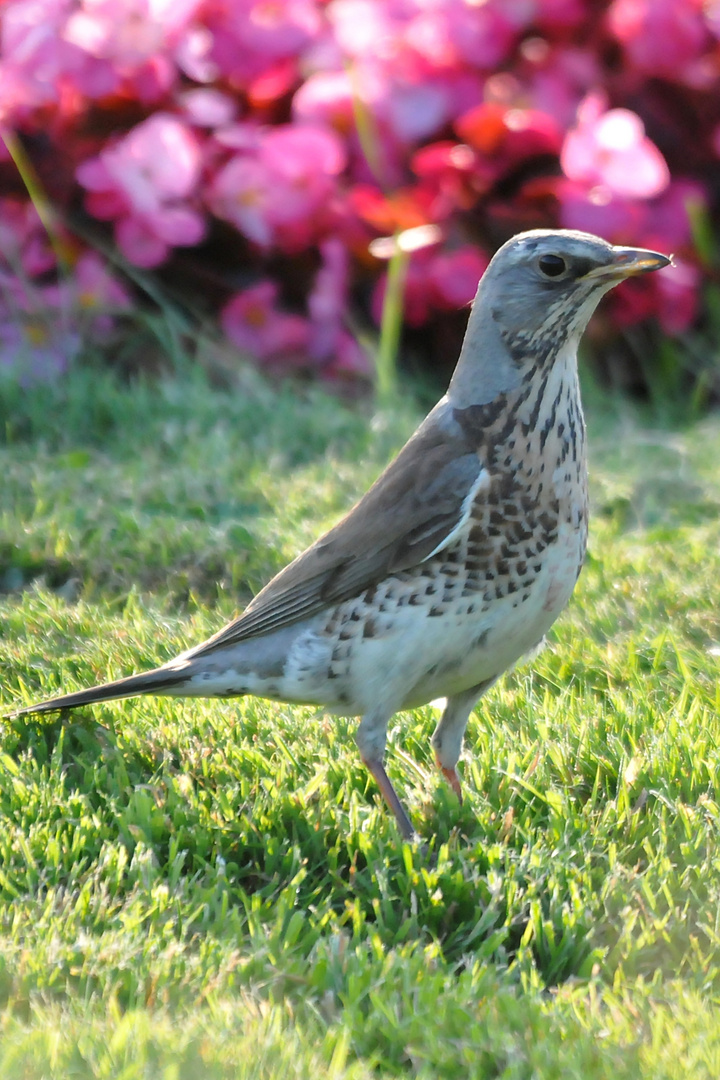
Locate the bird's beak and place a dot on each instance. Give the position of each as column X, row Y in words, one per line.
column 628, row 262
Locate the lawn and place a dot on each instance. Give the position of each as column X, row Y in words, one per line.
column 194, row 890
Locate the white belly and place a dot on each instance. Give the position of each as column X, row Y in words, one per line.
column 508, row 630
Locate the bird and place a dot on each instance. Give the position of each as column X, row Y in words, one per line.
column 458, row 559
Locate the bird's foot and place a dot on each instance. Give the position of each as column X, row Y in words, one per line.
column 452, row 777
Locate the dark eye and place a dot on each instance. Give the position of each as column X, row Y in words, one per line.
column 552, row 265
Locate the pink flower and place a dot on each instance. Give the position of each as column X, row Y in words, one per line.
column 88, row 298
column 144, row 182
column 436, row 281
column 245, row 135
column 274, row 83
column 24, row 243
column 678, row 296
column 273, row 28
column 328, row 299
column 95, row 47
column 483, row 34
column 130, row 33
column 280, row 192
column 41, row 323
column 326, row 98
column 240, row 194
column 158, row 162
column 250, row 36
column 416, row 107
column 555, row 80
column 667, row 226
column 193, row 55
column 208, row 108
column 330, row 345
column 447, row 170
column 36, row 58
column 396, row 110
column 505, row 137
column 454, row 276
column 252, row 322
column 661, row 37
column 443, row 34
column 336, row 353
column 410, row 72
column 363, row 27
column 136, row 39
column 672, row 296
column 90, row 288
column 662, row 224
column 553, row 15
column 349, row 359
column 611, row 150
column 597, row 210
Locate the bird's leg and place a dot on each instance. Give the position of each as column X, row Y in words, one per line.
column 448, row 735
column 370, row 738
column 376, row 767
column 450, row 774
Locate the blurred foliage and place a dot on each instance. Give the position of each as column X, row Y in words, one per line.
column 235, row 164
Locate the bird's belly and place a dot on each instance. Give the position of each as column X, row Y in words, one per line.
column 469, row 650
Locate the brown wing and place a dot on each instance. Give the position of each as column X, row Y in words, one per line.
column 405, row 516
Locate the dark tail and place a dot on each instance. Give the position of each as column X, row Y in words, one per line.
column 158, row 681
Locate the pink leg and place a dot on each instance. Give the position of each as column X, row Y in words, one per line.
column 448, row 736
column 452, row 778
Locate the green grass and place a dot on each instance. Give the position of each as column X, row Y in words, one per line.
column 200, row 889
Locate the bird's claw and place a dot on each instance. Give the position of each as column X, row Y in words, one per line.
column 452, row 778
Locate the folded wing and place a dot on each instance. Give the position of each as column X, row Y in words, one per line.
column 411, row 512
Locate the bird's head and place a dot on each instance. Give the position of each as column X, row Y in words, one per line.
column 533, row 303
column 542, row 287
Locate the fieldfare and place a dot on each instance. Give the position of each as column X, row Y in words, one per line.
column 461, row 556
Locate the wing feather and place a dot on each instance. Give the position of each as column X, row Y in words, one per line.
column 410, row 513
